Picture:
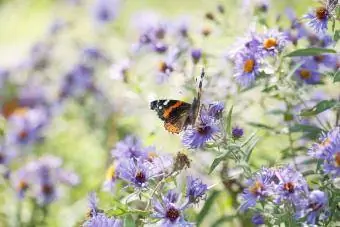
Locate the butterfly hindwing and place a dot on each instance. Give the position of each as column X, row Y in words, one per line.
column 174, row 113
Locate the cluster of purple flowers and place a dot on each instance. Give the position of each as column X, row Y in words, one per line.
column 328, row 151
column 142, row 168
column 250, row 52
column 206, row 128
column 40, row 179
column 170, row 208
column 286, row 188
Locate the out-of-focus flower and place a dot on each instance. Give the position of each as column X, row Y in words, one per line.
column 169, row 211
column 318, row 19
column 247, row 67
column 27, row 127
column 181, row 161
column 271, row 43
column 196, row 55
column 198, row 135
column 77, row 81
column 259, row 187
column 136, row 172
column 130, row 147
column 119, row 70
column 308, row 72
column 102, row 220
column 332, row 152
column 195, row 189
column 237, row 132
column 292, row 185
column 314, row 208
column 257, row 219
column 7, row 153
column 41, row 178
column 167, row 66
column 105, row 11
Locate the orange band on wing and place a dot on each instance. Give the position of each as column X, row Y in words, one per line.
column 171, row 108
column 172, row 128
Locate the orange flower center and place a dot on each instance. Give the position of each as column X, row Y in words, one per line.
column 337, row 159
column 152, row 155
column 289, row 186
column 321, row 13
column 249, row 65
column 305, row 74
column 269, row 43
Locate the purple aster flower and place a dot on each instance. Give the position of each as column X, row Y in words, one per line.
column 292, row 185
column 196, row 55
column 259, row 187
column 169, row 211
column 314, row 208
column 111, row 177
column 318, row 19
column 308, row 73
column 21, row 181
column 326, row 60
column 135, row 172
column 321, row 149
column 257, row 219
column 130, row 147
column 247, row 67
column 101, row 220
column 326, row 40
column 215, row 109
column 332, row 159
column 247, row 44
column 106, row 10
column 7, row 154
column 237, row 132
column 271, row 43
column 198, row 135
column 195, row 189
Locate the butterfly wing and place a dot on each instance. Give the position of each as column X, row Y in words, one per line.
column 174, row 113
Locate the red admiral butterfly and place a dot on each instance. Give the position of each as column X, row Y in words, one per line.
column 176, row 114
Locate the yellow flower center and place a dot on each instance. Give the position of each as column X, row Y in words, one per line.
column 269, row 43
column 111, row 173
column 256, row 188
column 249, row 65
column 305, row 74
column 22, row 186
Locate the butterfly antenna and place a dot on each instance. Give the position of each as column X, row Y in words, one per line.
column 200, row 84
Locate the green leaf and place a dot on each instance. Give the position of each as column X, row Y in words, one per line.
column 218, row 160
column 270, row 88
column 310, row 52
column 207, row 205
column 318, row 108
column 305, row 128
column 336, row 76
column 260, row 125
column 249, row 150
column 229, row 121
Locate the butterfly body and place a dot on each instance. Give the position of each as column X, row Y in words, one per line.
column 177, row 114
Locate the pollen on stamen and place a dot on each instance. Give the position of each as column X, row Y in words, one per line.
column 337, row 159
